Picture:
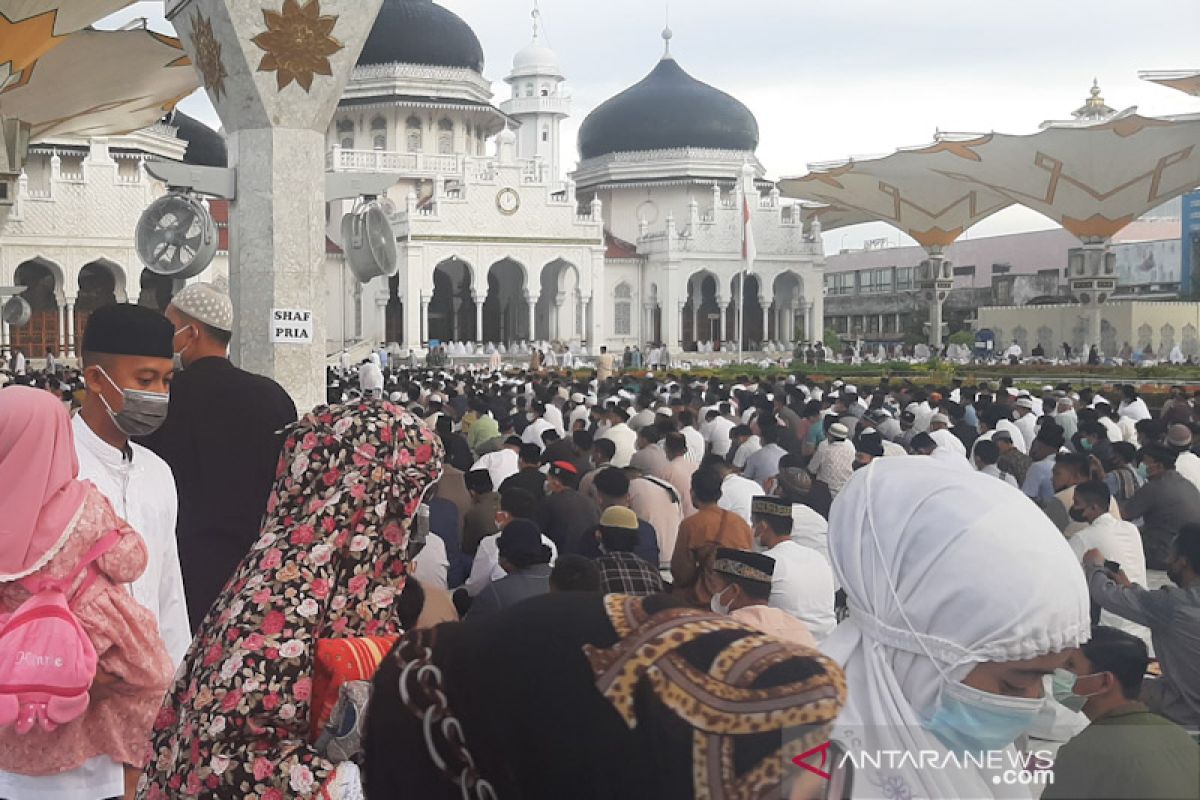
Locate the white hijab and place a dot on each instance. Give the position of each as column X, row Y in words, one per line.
column 939, row 563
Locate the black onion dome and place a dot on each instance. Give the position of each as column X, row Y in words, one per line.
column 421, row 32
column 668, row 109
column 205, row 147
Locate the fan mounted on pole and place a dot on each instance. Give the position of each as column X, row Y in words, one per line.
column 369, row 241
column 176, row 236
column 16, row 312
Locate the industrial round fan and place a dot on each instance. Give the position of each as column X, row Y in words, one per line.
column 16, row 312
column 176, row 236
column 369, row 242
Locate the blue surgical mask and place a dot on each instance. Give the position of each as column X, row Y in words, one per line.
column 970, row 720
column 142, row 413
column 1064, row 689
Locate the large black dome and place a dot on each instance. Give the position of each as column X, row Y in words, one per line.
column 205, row 147
column 668, row 109
column 421, row 32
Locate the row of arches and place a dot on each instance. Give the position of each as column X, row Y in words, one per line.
column 711, row 314
column 59, row 317
column 1157, row 341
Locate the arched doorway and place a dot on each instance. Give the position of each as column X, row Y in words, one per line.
column 506, row 314
column 702, row 312
column 555, row 315
column 97, row 288
column 451, row 312
column 787, row 298
column 654, row 333
column 751, row 308
column 42, row 291
column 393, row 315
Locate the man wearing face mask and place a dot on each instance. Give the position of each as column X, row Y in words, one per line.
column 126, row 356
column 1127, row 751
column 742, row 583
column 222, row 439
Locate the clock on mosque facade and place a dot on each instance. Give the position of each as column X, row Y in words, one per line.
column 508, row 201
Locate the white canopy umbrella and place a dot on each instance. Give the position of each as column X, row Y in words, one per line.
column 1185, row 80
column 31, row 28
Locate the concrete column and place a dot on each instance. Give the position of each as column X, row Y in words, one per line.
column 724, row 328
column 675, row 337
column 818, row 314
column 276, row 121
column 70, row 345
column 814, row 333
column 478, row 317
column 424, row 319
column 766, row 312
column 532, row 303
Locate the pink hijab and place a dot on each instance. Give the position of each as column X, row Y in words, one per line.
column 38, row 488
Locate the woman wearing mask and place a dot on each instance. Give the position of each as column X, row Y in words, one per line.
column 331, row 561
column 962, row 597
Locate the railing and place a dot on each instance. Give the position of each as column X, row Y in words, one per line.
column 339, row 160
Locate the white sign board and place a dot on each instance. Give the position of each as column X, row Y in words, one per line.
column 291, row 326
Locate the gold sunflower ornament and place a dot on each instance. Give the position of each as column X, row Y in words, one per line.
column 208, row 56
column 297, row 43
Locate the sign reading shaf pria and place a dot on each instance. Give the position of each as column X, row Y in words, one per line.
column 291, row 326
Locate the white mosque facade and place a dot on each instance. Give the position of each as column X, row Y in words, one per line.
column 641, row 243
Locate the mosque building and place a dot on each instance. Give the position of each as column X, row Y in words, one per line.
column 498, row 241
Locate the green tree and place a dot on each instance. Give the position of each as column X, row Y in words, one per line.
column 833, row 341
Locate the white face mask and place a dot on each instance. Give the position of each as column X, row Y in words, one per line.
column 716, row 605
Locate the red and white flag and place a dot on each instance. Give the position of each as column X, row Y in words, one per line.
column 749, row 251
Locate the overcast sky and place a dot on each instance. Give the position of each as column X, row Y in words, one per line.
column 856, row 77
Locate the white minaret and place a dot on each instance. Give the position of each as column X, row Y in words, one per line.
column 538, row 102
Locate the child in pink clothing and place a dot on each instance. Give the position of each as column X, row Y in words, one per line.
column 51, row 521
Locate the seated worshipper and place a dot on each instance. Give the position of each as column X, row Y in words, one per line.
column 1070, row 470
column 833, row 463
column 868, row 446
column 526, row 562
column 480, row 520
column 962, row 598
column 502, row 464
column 485, row 568
column 622, row 571
column 530, row 477
column 742, row 582
column 221, row 438
column 700, row 535
column 452, row 486
column 332, row 558
column 1127, row 751
column 1166, row 503
column 562, row 707
column 457, row 451
column 611, row 488
column 802, row 583
column 1187, row 463
column 1119, row 542
column 799, row 486
column 484, row 429
column 650, row 458
column 657, row 502
column 745, row 444
column 621, row 435
column 737, row 492
column 564, row 514
column 763, row 466
column 1120, row 475
column 987, row 454
column 574, row 573
column 679, row 470
column 54, row 526
column 1012, row 461
column 1172, row 613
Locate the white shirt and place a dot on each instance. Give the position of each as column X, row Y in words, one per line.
column 554, row 416
column 625, row 440
column 1188, row 465
column 486, row 566
column 142, row 492
column 718, row 435
column 533, row 432
column 996, row 472
column 833, row 463
column 737, row 495
column 1136, row 411
column 1117, row 541
column 432, row 564
column 803, row 587
column 501, row 465
column 695, row 444
column 746, row 449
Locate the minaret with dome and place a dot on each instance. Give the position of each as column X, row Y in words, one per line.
column 538, row 103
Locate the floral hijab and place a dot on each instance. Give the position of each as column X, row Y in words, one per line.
column 330, row 562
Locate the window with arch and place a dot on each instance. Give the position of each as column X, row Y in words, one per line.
column 445, row 137
column 379, row 133
column 414, row 139
column 345, row 131
column 623, row 310
column 545, row 133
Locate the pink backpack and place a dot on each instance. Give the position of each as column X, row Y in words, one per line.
column 47, row 661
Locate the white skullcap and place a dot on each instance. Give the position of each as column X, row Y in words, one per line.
column 664, row 411
column 208, row 303
column 577, row 399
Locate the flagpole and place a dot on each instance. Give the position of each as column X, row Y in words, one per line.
column 741, row 320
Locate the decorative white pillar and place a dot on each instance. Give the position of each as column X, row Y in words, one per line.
column 531, row 301
column 724, row 330
column 70, row 345
column 766, row 310
column 478, row 316
column 424, row 319
column 275, row 71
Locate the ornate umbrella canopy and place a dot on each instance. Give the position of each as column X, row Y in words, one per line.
column 1185, row 80
column 833, row 216
column 902, row 190
column 98, row 83
column 31, row 28
column 1091, row 178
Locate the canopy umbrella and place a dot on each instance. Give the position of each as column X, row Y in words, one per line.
column 31, row 28
column 901, row 190
column 1093, row 178
column 100, row 83
column 1185, row 80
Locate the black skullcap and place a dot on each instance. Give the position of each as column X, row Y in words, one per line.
column 871, row 443
column 128, row 330
column 757, row 567
column 521, row 540
column 611, row 482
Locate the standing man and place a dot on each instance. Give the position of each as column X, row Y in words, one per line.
column 127, row 368
column 604, row 367
column 1166, row 503
column 222, row 440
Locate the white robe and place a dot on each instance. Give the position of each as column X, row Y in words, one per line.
column 142, row 492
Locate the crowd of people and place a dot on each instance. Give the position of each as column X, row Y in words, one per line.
column 487, row 582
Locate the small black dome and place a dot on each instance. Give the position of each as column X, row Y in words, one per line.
column 668, row 109
column 205, row 147
column 421, row 32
